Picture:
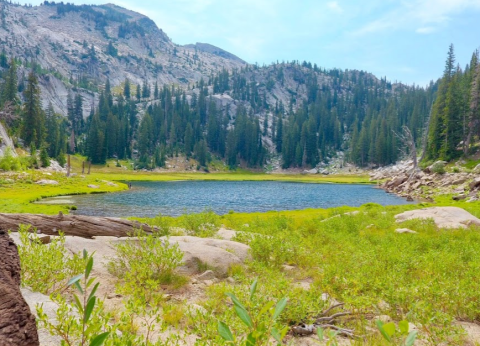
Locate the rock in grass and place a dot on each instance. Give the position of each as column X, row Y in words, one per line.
column 444, row 217
column 93, row 186
column 206, row 275
column 47, row 182
column 404, row 230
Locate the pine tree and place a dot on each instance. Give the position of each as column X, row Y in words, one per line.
column 33, row 117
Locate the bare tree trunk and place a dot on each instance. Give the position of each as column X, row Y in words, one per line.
column 68, row 165
column 425, row 135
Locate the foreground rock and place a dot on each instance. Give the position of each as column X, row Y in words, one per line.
column 444, row 217
column 77, row 225
column 215, row 254
column 17, row 324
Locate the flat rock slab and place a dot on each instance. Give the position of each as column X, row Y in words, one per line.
column 444, row 217
column 216, row 254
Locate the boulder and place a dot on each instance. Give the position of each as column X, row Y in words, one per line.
column 92, row 186
column 444, row 217
column 474, row 183
column 217, row 254
column 17, row 324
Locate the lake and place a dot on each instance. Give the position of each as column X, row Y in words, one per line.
column 147, row 199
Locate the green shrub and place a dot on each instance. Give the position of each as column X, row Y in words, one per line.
column 200, row 225
column 82, row 322
column 46, row 267
column 438, row 167
column 145, row 262
column 8, row 162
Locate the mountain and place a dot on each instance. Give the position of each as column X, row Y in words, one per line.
column 127, row 91
column 82, row 46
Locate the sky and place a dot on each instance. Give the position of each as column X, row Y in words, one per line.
column 404, row 40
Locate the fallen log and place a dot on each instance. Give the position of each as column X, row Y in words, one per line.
column 76, row 225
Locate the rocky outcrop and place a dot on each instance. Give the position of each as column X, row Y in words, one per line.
column 444, row 217
column 17, row 324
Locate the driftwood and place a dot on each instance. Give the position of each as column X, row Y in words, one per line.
column 77, row 225
column 325, row 320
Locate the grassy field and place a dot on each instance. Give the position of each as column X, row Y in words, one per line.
column 429, row 278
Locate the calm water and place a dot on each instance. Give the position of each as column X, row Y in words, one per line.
column 147, row 199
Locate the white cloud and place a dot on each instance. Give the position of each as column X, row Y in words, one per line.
column 427, row 15
column 334, row 6
column 426, row 30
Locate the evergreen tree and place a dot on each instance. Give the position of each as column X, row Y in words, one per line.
column 33, row 117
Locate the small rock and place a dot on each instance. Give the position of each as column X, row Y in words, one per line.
column 459, row 197
column 93, row 186
column 230, row 280
column 287, row 268
column 404, row 230
column 208, row 283
column 207, row 275
column 383, row 318
column 474, row 183
column 46, row 182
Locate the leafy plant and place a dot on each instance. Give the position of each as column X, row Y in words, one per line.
column 260, row 327
column 82, row 322
column 144, row 263
column 394, row 335
column 45, row 267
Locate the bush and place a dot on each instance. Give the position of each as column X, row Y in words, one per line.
column 200, row 225
column 145, row 262
column 438, row 167
column 8, row 162
column 46, row 268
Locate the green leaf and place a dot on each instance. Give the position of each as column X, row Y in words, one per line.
column 251, row 341
column 85, row 254
column 320, row 333
column 244, row 316
column 411, row 338
column 236, row 301
column 79, row 287
column 276, row 335
column 382, row 331
column 265, row 308
column 253, row 288
column 94, row 290
column 389, row 328
column 74, row 279
column 279, row 308
column 99, row 339
column 78, row 304
column 89, row 267
column 403, row 325
column 89, row 309
column 224, row 331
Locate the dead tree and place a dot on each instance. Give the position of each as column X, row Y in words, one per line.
column 408, row 147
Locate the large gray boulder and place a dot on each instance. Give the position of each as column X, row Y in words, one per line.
column 444, row 217
column 216, row 254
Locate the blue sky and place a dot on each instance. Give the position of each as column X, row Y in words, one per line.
column 404, row 40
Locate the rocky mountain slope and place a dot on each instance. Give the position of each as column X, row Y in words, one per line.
column 84, row 45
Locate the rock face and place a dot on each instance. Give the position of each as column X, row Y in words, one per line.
column 444, row 217
column 17, row 324
column 216, row 254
